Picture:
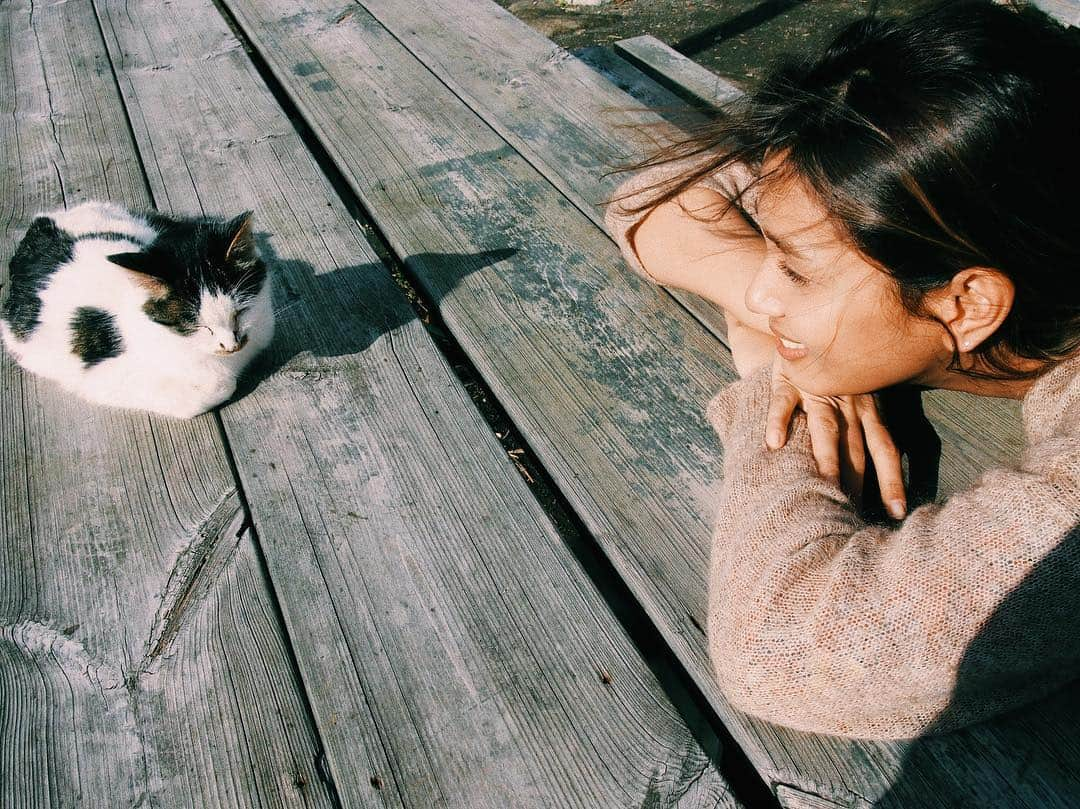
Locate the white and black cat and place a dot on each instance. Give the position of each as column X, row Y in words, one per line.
column 138, row 310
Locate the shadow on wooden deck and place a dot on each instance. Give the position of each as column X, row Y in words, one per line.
column 335, row 292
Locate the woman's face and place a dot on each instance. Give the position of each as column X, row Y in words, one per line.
column 841, row 319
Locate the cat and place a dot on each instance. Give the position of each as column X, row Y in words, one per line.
column 143, row 311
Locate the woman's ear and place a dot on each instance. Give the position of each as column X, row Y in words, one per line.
column 974, row 305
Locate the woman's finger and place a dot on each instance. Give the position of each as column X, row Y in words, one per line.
column 886, row 457
column 852, row 451
column 824, row 424
column 782, row 404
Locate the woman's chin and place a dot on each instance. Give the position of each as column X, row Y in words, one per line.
column 821, row 385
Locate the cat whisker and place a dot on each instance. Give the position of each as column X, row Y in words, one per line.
column 288, row 306
column 242, row 279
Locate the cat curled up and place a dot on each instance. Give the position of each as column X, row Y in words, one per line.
column 138, row 310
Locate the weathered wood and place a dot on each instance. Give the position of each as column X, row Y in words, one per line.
column 634, row 506
column 632, row 81
column 141, row 658
column 669, row 68
column 455, row 651
column 575, row 349
column 647, row 92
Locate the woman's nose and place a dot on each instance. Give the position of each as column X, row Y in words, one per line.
column 760, row 297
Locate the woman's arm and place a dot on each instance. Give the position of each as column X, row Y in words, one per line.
column 714, row 259
column 824, row 623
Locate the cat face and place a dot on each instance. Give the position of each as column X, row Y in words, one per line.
column 205, row 280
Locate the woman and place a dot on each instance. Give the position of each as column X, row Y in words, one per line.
column 900, row 210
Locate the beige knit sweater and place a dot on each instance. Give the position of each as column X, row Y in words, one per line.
column 821, row 622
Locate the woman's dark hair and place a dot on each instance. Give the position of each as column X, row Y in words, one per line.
column 946, row 140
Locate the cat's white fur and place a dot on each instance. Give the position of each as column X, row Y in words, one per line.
column 158, row 370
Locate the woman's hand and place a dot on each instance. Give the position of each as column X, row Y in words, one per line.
column 842, row 430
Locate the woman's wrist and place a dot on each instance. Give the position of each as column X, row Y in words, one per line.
column 750, row 349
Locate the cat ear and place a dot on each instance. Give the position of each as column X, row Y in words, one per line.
column 140, row 266
column 139, row 262
column 241, row 249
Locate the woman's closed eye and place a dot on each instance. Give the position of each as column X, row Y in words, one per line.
column 794, row 276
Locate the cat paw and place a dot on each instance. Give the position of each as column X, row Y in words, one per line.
column 185, row 411
column 221, row 393
column 198, row 400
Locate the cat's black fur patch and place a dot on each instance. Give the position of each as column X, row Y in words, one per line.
column 188, row 254
column 42, row 250
column 94, row 336
column 174, row 313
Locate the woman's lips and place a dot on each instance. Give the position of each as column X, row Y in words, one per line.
column 789, row 349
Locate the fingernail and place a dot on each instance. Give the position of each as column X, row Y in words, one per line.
column 897, row 509
column 772, row 439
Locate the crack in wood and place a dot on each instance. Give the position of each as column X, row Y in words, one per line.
column 663, row 789
column 193, row 573
column 793, row 797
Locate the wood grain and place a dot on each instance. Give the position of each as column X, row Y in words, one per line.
column 141, row 658
column 454, row 649
column 522, row 87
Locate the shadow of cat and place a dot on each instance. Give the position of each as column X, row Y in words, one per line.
column 341, row 312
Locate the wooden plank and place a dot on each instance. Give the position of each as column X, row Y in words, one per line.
column 574, row 348
column 455, row 651
column 647, row 92
column 669, row 68
column 362, row 119
column 141, row 658
column 632, row 81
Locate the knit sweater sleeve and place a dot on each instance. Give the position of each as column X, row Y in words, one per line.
column 621, row 224
column 822, row 622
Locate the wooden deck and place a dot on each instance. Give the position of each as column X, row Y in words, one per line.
column 456, row 564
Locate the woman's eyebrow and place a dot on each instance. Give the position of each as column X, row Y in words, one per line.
column 784, row 245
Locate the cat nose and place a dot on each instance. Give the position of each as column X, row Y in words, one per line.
column 238, row 343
